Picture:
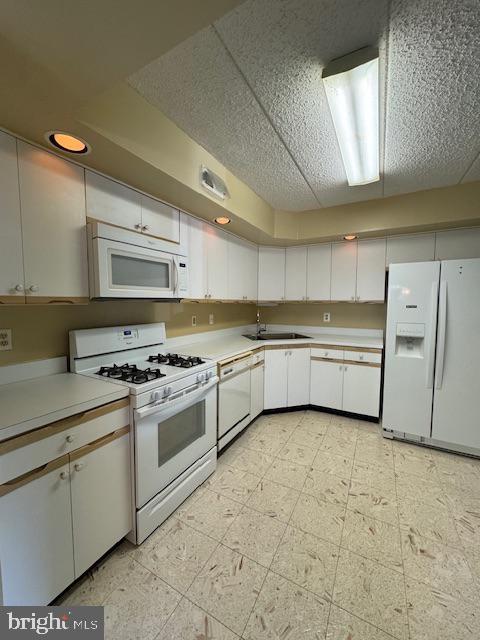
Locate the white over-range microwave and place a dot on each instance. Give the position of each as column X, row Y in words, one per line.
column 124, row 264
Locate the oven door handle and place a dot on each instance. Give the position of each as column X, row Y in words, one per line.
column 187, row 398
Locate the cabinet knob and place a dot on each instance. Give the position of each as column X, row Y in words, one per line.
column 145, row 227
column 33, row 288
column 63, row 475
column 19, row 287
column 79, row 466
column 361, row 358
column 70, row 438
column 138, row 226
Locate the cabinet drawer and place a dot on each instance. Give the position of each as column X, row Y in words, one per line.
column 33, row 449
column 258, row 358
column 327, row 352
column 363, row 356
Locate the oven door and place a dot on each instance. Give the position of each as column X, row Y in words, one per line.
column 171, row 436
column 122, row 270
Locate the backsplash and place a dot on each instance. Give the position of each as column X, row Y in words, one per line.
column 342, row 314
column 42, row 332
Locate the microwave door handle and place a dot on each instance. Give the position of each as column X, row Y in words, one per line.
column 182, row 401
column 175, row 275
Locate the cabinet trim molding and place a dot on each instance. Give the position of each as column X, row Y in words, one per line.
column 61, row 425
column 337, row 360
column 96, row 444
column 12, row 299
column 16, row 483
column 281, row 347
column 376, row 365
column 342, row 348
column 57, row 300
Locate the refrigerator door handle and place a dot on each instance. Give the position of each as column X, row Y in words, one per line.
column 431, row 342
column 442, row 330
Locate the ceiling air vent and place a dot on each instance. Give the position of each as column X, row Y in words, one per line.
column 213, row 183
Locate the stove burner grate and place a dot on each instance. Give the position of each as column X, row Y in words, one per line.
column 130, row 373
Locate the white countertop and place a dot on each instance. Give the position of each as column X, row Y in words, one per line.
column 36, row 402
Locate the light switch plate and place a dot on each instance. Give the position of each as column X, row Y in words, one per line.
column 326, row 317
column 6, row 340
column 194, row 321
column 211, row 319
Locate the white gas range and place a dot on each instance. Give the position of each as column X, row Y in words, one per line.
column 173, row 401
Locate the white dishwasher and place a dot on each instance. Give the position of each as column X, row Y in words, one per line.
column 233, row 397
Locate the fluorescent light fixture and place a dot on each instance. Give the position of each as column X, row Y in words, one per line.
column 351, row 85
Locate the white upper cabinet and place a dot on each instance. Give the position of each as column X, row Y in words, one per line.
column 160, row 219
column 112, row 202
column 52, row 200
column 217, row 263
column 371, row 270
column 457, row 244
column 344, row 271
column 11, row 257
column 319, row 265
column 197, row 259
column 242, row 269
column 296, row 273
column 415, row 248
column 271, row 273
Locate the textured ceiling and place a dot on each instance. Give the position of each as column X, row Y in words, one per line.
column 248, row 89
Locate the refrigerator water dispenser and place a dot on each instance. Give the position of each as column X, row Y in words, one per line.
column 410, row 339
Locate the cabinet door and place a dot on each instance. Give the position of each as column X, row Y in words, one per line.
column 361, row 389
column 112, row 202
column 415, row 248
column 101, row 499
column 319, row 268
column 217, row 263
column 326, row 383
column 52, row 198
column 296, row 273
column 242, row 269
column 298, row 392
column 160, row 219
column 256, row 397
column 457, row 244
column 197, row 259
column 371, row 270
column 344, row 271
column 251, row 272
column 271, row 273
column 36, row 550
column 276, row 385
column 11, row 257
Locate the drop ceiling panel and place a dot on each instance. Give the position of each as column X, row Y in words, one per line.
column 281, row 47
column 433, row 128
column 198, row 86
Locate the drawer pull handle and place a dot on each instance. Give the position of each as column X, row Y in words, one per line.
column 227, row 371
column 70, row 438
column 63, row 475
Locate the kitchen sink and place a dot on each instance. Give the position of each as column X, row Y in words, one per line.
column 275, row 336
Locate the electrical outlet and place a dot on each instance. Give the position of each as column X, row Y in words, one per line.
column 211, row 319
column 326, row 317
column 6, row 340
column 194, row 321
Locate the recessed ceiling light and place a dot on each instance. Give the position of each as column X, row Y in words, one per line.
column 351, row 86
column 67, row 142
column 222, row 220
column 350, row 236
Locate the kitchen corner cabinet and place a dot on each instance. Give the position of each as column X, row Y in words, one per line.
column 319, row 268
column 287, row 377
column 296, row 273
column 271, row 273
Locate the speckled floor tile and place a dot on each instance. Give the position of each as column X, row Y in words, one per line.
column 286, row 611
column 227, row 587
column 307, row 561
column 327, row 487
column 338, row 446
column 306, row 438
column 345, row 626
column 255, row 462
column 427, row 521
column 139, row 608
column 459, row 482
column 211, row 514
column 466, row 514
column 452, row 462
column 296, row 453
column 423, row 467
column 420, row 490
column 274, row 500
column 408, row 449
column 196, row 495
column 255, row 535
column 372, row 473
column 373, row 501
column 439, row 566
column 234, row 483
column 323, row 519
column 290, row 418
column 266, row 443
column 343, row 431
column 340, row 466
column 316, row 426
column 373, row 539
column 189, row 622
column 374, row 450
column 372, row 428
column 178, row 555
column 435, row 615
column 287, row 473
column 372, row 592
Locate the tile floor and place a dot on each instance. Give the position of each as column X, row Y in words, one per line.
column 312, row 527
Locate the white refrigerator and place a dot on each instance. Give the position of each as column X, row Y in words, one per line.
column 432, row 354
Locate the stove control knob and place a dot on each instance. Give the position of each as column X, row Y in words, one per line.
column 155, row 396
column 167, row 391
column 201, row 378
column 209, row 375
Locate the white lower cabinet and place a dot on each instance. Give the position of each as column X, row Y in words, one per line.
column 361, row 389
column 101, row 499
column 287, row 376
column 256, row 389
column 326, row 384
column 36, row 561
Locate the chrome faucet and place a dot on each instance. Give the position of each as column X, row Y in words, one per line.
column 260, row 329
